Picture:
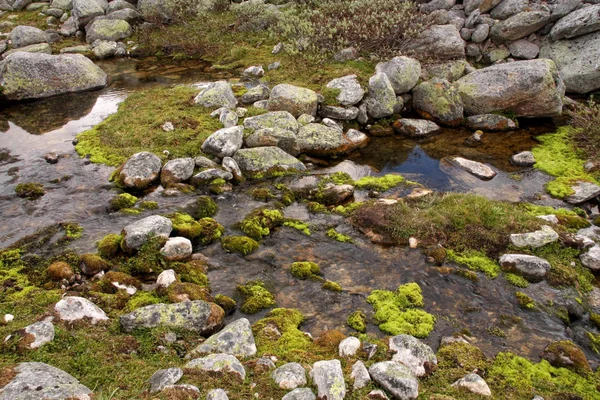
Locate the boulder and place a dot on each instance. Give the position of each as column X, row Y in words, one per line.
column 136, row 234
column 105, row 49
column 236, row 339
column 36, row 380
column 282, row 138
column 338, row 113
column 132, row 17
column 257, row 93
column 351, row 92
column 43, row 48
column 526, row 88
column 534, row 239
column 414, row 354
column 474, row 384
column 231, row 166
column 166, row 278
column 591, row 258
column 396, row 379
column 300, row 394
column 475, row 168
column 177, row 249
column 209, row 175
column 216, row 394
column 416, row 128
column 224, row 142
column 403, row 73
column 267, row 162
column 450, row 70
column 73, row 308
column 217, row 94
column 176, row 171
column 37, row 75
column 523, row 159
column 580, row 22
column 293, row 99
column 218, row 364
column 524, row 49
column 34, row 335
column 508, row 8
column 86, row 10
column 359, row 375
column 438, row 100
column 198, row 315
column 519, row 26
column 438, row 42
column 163, row 378
column 323, row 141
column 531, row 267
column 289, row 376
column 584, row 191
column 273, row 120
column 490, row 123
column 328, row 377
column 480, row 33
column 24, row 35
column 116, row 5
column 108, row 29
column 140, row 170
column 381, row 99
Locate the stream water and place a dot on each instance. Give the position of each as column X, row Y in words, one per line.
column 79, row 191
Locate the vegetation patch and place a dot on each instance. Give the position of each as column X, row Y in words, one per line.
column 242, row 245
column 332, row 286
column 298, row 225
column 292, row 342
column 30, row 190
column 305, row 269
column 357, row 321
column 379, row 183
column 516, row 280
column 260, row 222
column 525, row 301
column 475, row 261
column 123, row 200
column 256, row 297
column 340, row 237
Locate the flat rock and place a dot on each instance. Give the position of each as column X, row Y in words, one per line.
column 473, row 383
column 519, row 26
column 579, row 22
column 217, row 94
column 414, row 354
column 35, row 335
column 267, row 162
column 439, row 42
column 208, row 175
column 282, row 138
column 416, row 128
column 140, row 170
column 236, row 339
column 475, row 168
column 108, row 29
column 338, row 113
column 300, row 394
column 294, row 99
column 349, row 346
column 177, row 170
column 328, row 377
column 177, row 249
column 218, row 363
column 508, row 8
column 42, row 48
column 322, row 141
column 438, row 100
column 224, row 142
column 289, row 376
column 136, row 234
column 584, row 191
column 73, row 308
column 351, row 92
column 490, row 123
column 591, row 258
column 523, row 159
column 163, row 378
column 403, row 73
column 272, row 120
column 396, row 379
column 534, row 239
column 531, row 267
column 524, row 49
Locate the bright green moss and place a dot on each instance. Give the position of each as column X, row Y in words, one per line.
column 242, row 245
column 332, row 286
column 330, row 95
column 203, row 207
column 316, row 207
column 379, row 183
column 142, row 299
column 291, row 342
column 123, row 200
column 130, row 211
column 227, row 303
column 260, row 222
column 516, row 280
column 525, row 301
column 185, row 225
column 190, row 273
column 256, row 297
column 357, row 321
column 340, row 237
column 595, row 319
column 476, row 261
column 348, row 209
column 148, row 205
column 210, row 231
column 305, row 269
column 298, row 225
column 147, row 259
column 30, row 190
column 72, row 230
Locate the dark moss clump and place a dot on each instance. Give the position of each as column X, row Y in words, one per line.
column 203, row 207
column 148, row 205
column 595, row 319
column 30, row 190
column 121, row 201
column 106, row 283
column 261, row 194
column 330, row 339
column 525, row 301
column 191, row 272
column 91, row 264
column 567, row 354
column 305, row 269
column 256, row 297
column 210, row 230
column 110, row 245
column 60, row 270
column 260, row 222
column 148, row 258
column 242, row 245
column 332, row 286
column 182, row 291
column 357, row 321
column 226, row 303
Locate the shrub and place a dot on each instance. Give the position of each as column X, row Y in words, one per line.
column 255, row 15
column 585, row 118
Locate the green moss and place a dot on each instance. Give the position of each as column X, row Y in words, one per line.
column 379, row 183
column 260, row 222
column 242, row 245
column 292, row 342
column 203, row 207
column 465, row 273
column 332, row 286
column 316, row 208
column 348, row 209
column 185, row 291
column 110, row 245
column 566, row 268
column 287, row 196
column 595, row 319
column 525, row 301
column 262, row 194
column 256, row 297
column 30, row 190
column 185, row 225
column 210, row 231
column 475, row 261
column 496, row 331
column 190, row 273
column 298, row 225
column 305, row 269
column 357, row 321
column 226, row 303
column 147, row 259
column 340, row 237
column 461, row 357
column 142, row 299
column 516, row 280
column 330, row 95
column 123, row 200
column 148, row 205
column 106, row 282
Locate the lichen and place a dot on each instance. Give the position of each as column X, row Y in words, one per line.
column 242, row 245
column 305, row 269
column 256, row 297
column 357, row 321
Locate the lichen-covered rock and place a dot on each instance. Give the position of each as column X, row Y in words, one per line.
column 177, row 249
column 396, row 378
column 38, row 75
column 73, row 308
column 438, row 42
column 208, row 175
column 267, row 162
column 105, row 49
column 591, row 258
column 24, row 35
column 351, row 92
column 34, row 335
column 323, row 141
column 43, row 48
column 228, row 118
column 163, row 378
column 526, row 88
column 349, row 346
column 116, row 5
column 475, row 168
column 282, row 138
column 524, row 49
column 414, row 354
column 534, row 239
column 236, row 339
column 403, row 73
column 86, row 10
column 519, row 26
column 294, row 99
column 176, row 171
column 108, row 29
column 217, row 94
column 140, row 170
column 289, row 376
column 224, row 142
column 508, row 8
column 584, row 191
column 272, row 120
column 200, row 316
column 381, row 99
column 490, row 123
column 338, row 113
column 36, row 380
column 257, row 93
column 473, row 383
column 136, row 234
column 328, row 377
column 579, row 22
column 218, row 363
column 300, row 394
column 360, row 375
column 416, row 128
column 438, row 100
column 566, row 354
column 531, row 267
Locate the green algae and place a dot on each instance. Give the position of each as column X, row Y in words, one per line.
column 475, row 261
column 357, row 321
column 340, row 237
column 256, row 297
column 242, row 245
column 379, row 183
column 304, row 269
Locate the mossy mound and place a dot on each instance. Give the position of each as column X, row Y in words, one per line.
column 210, row 230
column 148, row 259
column 185, row 225
column 30, row 190
column 256, row 297
column 567, row 354
column 110, row 245
column 142, row 299
column 203, row 207
column 379, row 183
column 191, row 272
column 106, row 283
column 278, row 333
column 121, row 201
column 332, row 286
column 261, row 194
column 305, row 269
column 57, row 271
column 91, row 264
column 260, row 222
column 227, row 303
column 357, row 321
column 178, row 292
column 241, row 245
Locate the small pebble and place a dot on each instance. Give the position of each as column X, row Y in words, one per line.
column 8, row 318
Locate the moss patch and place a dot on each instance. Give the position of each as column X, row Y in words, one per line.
column 516, row 280
column 290, row 340
column 332, row 286
column 525, row 301
column 357, row 321
column 298, row 225
column 256, row 297
column 475, row 261
column 123, row 200
column 30, row 190
column 379, row 183
column 340, row 237
column 260, row 222
column 305, row 269
column 242, row 245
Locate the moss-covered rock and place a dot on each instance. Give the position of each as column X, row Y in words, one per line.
column 178, row 292
column 203, row 207
column 60, row 270
column 568, row 355
column 278, row 333
column 226, row 303
column 256, row 297
column 30, row 190
column 210, row 231
column 332, row 286
column 260, row 222
column 193, row 271
column 305, row 269
column 242, row 245
column 525, row 301
column 114, row 281
column 91, row 264
column 121, row 201
column 357, row 321
column 110, row 245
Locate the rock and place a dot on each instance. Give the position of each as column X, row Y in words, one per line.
column 164, row 377
column 416, row 128
column 566, row 354
column 274, row 65
column 524, row 49
column 338, row 113
column 508, row 8
column 177, row 249
column 76, row 49
column 203, row 162
column 414, row 354
column 300, row 394
column 274, row 120
column 519, row 26
column 450, row 71
column 349, row 346
column 108, row 29
column 333, row 194
column 357, row 138
column 23, row 35
column 434, row 5
column 396, row 379
column 266, row 161
column 438, row 100
column 216, row 394
column 487, row 5
column 289, row 376
column 218, row 363
column 351, row 92
column 328, row 377
column 481, row 33
column 86, row 10
column 475, row 168
column 166, row 278
column 293, row 99
column 132, row 17
column 328, row 122
column 584, row 191
column 490, row 123
column 377, row 395
column 531, row 267
column 116, row 5
column 580, row 22
column 136, row 234
column 439, row 42
column 72, row 308
column 140, row 170
column 257, row 93
column 231, row 166
column 36, row 380
column 284, row 139
column 526, row 88
column 322, row 141
column 403, row 73
column 224, row 142
column 217, row 94
column 43, row 48
column 347, row 54
column 534, row 239
column 8, row 318
column 176, row 171
column 253, row 72
column 235, row 339
column 473, row 383
column 360, row 375
column 105, row 49
column 198, row 315
column 381, row 98
column 591, row 259
column 36, row 75
column 523, row 159
column 34, row 335
column 208, row 175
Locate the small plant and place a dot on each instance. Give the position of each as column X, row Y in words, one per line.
column 525, row 301
column 332, row 286
column 30, row 190
column 340, row 237
column 357, row 321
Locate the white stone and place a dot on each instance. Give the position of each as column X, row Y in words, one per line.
column 349, row 346
column 73, row 308
column 166, row 278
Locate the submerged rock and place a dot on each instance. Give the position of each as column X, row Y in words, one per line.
column 136, row 234
column 474, row 383
column 478, row 169
column 218, row 363
column 267, row 162
column 328, row 377
column 140, row 170
column 396, row 378
column 531, row 267
column 235, row 339
column 414, row 354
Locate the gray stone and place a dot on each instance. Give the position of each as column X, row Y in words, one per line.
column 328, row 377
column 377, row 395
column 199, row 316
column 473, row 50
column 416, row 128
column 224, row 142
column 338, row 113
column 584, row 191
column 257, row 93
column 323, row 141
column 209, row 175
column 532, row 268
column 396, row 379
column 359, row 375
column 300, row 394
column 347, row 54
column 473, row 383
column 177, row 170
column 437, row 5
column 487, row 5
column 276, row 119
column 166, row 278
column 177, row 249
column 274, row 65
column 351, row 92
column 108, row 29
column 438, row 100
column 466, row 33
column 136, row 234
column 73, row 308
column 116, row 5
column 475, row 168
column 441, row 42
column 563, row 7
column 403, row 73
column 282, row 138
column 524, row 49
column 231, row 166
column 216, row 394
column 203, row 162
column 494, row 54
column 68, row 28
column 218, row 363
column 20, row 4
column 471, row 20
column 534, row 239
column 490, row 123
column 236, row 339
column 579, row 22
column 289, row 376
column 357, row 138
column 35, row 335
column 381, row 98
column 519, row 26
column 293, row 99
column 450, row 71
column 66, row 5
column 54, row 12
column 37, row 380
column 349, row 346
column 228, row 118
column 523, row 159
column 253, row 72
column 526, row 88
column 132, row 17
column 217, row 94
column 40, row 48
column 105, row 49
column 266, row 161
column 508, row 8
column 84, row 48
column 591, row 258
column 164, row 377
column 23, row 35
column 414, row 354
column 481, row 33
column 86, row 10
column 140, row 170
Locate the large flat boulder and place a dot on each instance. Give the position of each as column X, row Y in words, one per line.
column 24, row 35
column 38, row 75
column 439, row 42
column 293, row 99
column 519, row 26
column 579, row 22
column 323, row 141
column 438, row 100
column 265, row 162
column 108, row 29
